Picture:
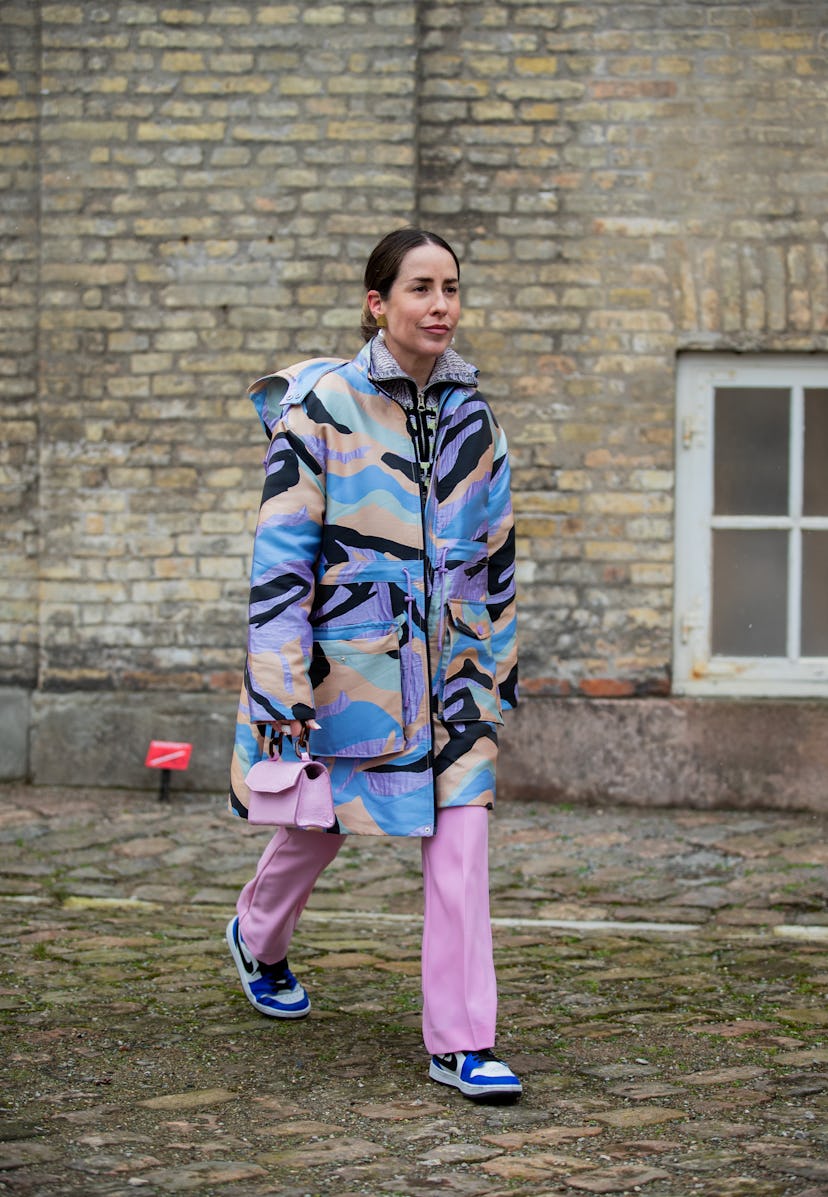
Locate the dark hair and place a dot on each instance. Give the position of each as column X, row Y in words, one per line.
column 383, row 266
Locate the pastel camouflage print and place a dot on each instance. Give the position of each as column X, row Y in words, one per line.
column 380, row 607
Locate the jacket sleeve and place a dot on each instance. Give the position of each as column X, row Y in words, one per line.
column 285, row 550
column 502, row 597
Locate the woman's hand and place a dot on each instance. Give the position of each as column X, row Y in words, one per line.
column 295, row 728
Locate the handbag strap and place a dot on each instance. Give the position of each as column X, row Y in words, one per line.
column 274, row 747
column 300, row 747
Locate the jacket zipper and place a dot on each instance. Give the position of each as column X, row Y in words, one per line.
column 423, row 443
column 424, row 473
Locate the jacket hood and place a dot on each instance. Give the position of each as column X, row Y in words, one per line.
column 272, row 393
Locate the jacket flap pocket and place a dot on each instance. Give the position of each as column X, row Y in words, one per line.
column 357, row 683
column 471, row 618
column 467, row 688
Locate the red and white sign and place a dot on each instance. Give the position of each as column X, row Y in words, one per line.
column 168, row 754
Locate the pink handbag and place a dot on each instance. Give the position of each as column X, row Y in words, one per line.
column 290, row 793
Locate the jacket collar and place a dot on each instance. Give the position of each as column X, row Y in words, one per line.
column 384, row 370
column 274, row 392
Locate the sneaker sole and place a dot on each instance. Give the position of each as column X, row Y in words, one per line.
column 487, row 1094
column 248, row 993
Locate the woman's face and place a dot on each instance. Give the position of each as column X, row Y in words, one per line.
column 422, row 309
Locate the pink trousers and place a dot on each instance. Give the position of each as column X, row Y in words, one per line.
column 458, row 977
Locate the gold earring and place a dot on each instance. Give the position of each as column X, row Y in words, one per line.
column 382, row 322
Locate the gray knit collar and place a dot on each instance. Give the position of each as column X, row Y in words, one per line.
column 384, row 369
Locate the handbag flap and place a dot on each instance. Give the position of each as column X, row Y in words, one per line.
column 275, row 776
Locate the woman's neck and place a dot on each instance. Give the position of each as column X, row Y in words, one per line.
column 417, row 368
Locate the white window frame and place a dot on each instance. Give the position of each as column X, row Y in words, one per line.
column 696, row 671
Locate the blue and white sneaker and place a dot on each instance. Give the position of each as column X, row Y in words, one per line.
column 478, row 1075
column 271, row 988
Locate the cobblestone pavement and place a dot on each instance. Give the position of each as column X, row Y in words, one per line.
column 662, row 977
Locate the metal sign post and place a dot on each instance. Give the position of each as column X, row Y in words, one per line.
column 167, row 755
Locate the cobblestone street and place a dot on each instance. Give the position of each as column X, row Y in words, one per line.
column 662, row 979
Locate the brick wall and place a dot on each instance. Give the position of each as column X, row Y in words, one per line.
column 212, row 175
column 627, row 180
column 189, row 194
column 19, row 85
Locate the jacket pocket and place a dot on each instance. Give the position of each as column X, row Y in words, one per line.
column 468, row 687
column 357, row 683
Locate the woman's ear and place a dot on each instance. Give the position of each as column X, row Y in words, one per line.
column 376, row 304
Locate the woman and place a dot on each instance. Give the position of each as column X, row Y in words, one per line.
column 382, row 621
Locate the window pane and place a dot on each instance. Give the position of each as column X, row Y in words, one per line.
column 815, row 498
column 751, row 451
column 750, row 593
column 814, row 594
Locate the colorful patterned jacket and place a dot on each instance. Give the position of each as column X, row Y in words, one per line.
column 377, row 604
